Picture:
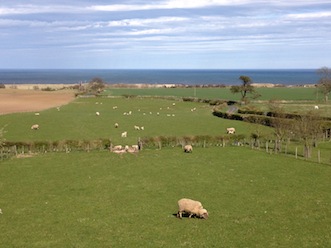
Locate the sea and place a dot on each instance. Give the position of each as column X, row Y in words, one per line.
column 157, row 76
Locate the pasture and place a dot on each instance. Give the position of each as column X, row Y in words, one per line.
column 159, row 117
column 278, row 93
column 101, row 199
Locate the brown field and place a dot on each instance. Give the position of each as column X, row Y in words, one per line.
column 27, row 100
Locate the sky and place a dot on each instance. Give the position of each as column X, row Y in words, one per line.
column 165, row 34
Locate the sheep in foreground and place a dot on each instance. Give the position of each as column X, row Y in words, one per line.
column 191, row 207
column 35, row 127
column 188, row 148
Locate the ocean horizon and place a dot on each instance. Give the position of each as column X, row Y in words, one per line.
column 159, row 76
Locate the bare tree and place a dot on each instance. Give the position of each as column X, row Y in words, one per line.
column 281, row 125
column 324, row 83
column 308, row 127
column 245, row 88
column 96, row 85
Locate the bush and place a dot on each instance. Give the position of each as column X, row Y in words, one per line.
column 2, row 86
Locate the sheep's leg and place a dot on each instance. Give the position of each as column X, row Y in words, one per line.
column 190, row 215
column 179, row 214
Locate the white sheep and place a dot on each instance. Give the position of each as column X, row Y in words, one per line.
column 231, row 130
column 116, row 125
column 188, row 148
column 135, row 147
column 0, row 211
column 142, row 128
column 97, row 113
column 37, row 114
column 136, row 127
column 124, row 134
column 316, row 107
column 117, row 148
column 191, row 207
column 35, row 127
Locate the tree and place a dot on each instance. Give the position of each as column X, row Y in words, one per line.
column 308, row 127
column 96, row 85
column 324, row 83
column 245, row 88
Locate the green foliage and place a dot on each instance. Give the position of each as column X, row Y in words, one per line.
column 101, row 199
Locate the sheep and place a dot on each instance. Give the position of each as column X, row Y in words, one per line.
column 0, row 211
column 115, row 107
column 316, row 107
column 230, row 130
column 135, row 147
column 116, row 125
column 191, row 207
column 142, row 128
column 35, row 127
column 37, row 114
column 117, row 148
column 188, row 148
column 97, row 113
column 136, row 127
column 124, row 134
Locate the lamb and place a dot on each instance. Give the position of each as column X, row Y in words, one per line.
column 136, row 127
column 191, row 207
column 35, row 127
column 188, row 148
column 231, row 130
column 124, row 134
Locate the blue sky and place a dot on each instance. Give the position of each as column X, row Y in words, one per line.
column 138, row 34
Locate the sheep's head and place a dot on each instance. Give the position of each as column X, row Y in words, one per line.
column 203, row 213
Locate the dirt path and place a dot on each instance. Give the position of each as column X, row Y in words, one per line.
column 18, row 100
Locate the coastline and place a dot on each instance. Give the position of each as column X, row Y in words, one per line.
column 55, row 87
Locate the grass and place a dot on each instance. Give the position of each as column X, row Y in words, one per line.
column 281, row 93
column 101, row 199
column 78, row 121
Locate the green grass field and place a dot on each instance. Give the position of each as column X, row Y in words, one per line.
column 101, row 199
column 78, row 121
column 279, row 93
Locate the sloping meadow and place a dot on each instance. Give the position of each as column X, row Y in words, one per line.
column 102, row 199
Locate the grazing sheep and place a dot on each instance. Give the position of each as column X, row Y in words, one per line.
column 115, row 107
column 191, row 207
column 35, row 127
column 119, row 151
column 135, row 147
column 37, row 114
column 116, row 125
column 58, row 108
column 136, row 127
column 188, row 148
column 0, row 211
column 97, row 113
column 117, row 148
column 142, row 128
column 124, row 134
column 316, row 107
column 231, row 130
